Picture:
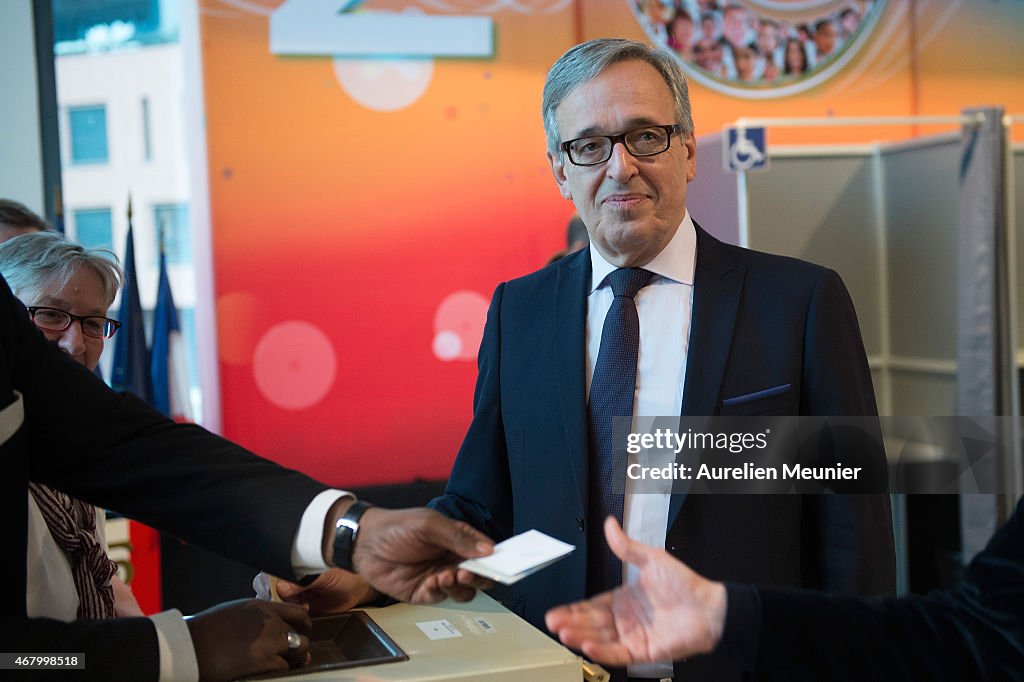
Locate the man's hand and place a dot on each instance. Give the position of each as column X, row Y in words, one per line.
column 413, row 554
column 248, row 637
column 671, row 612
column 334, row 591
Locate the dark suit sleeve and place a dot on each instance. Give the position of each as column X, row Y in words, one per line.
column 121, row 650
column 853, row 533
column 975, row 632
column 115, row 451
column 479, row 489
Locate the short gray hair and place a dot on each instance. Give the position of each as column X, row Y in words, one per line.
column 44, row 258
column 586, row 61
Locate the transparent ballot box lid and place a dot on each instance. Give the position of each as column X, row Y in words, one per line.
column 347, row 640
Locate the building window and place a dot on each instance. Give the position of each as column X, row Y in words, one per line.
column 93, row 228
column 88, row 134
column 171, row 222
column 81, row 26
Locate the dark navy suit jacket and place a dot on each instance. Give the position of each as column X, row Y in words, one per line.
column 758, row 322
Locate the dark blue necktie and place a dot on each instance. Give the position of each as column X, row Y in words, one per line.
column 611, row 395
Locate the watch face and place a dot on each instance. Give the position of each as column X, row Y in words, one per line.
column 343, row 536
column 345, row 531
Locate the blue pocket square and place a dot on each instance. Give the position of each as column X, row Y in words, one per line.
column 766, row 393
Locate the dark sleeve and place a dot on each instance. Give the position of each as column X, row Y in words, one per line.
column 852, row 533
column 113, row 450
column 975, row 632
column 742, row 623
column 121, row 650
column 479, row 488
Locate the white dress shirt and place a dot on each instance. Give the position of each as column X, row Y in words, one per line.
column 664, row 308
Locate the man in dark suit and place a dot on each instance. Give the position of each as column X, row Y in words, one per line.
column 712, row 329
column 972, row 632
column 60, row 426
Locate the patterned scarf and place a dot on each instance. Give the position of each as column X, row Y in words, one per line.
column 72, row 524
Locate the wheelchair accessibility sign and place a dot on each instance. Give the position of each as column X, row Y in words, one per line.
column 744, row 150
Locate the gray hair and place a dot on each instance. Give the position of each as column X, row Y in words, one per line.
column 586, row 61
column 48, row 258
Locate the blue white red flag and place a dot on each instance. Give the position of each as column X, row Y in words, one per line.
column 167, row 367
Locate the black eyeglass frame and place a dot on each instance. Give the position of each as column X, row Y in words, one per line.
column 671, row 129
column 114, row 325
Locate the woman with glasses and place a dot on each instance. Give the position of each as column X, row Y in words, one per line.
column 67, row 290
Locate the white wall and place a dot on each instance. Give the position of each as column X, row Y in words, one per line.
column 119, row 81
column 21, row 161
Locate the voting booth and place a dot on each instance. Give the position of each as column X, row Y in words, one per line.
column 927, row 234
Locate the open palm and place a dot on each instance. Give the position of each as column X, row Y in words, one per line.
column 671, row 612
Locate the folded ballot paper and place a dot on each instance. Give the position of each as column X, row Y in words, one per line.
column 518, row 557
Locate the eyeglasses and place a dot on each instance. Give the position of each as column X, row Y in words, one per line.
column 595, row 149
column 57, row 320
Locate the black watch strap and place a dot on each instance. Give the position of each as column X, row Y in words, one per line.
column 345, row 532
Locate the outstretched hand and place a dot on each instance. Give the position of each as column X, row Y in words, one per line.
column 671, row 612
column 248, row 637
column 413, row 555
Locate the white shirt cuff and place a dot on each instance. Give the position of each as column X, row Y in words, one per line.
column 177, row 655
column 308, row 550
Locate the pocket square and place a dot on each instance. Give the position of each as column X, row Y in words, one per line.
column 766, row 393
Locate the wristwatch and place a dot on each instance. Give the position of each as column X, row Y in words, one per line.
column 345, row 532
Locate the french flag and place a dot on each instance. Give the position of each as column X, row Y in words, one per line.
column 130, row 353
column 167, row 355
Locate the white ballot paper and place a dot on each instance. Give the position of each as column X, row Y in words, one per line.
column 518, row 557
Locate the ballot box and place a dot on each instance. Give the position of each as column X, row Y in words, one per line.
column 478, row 640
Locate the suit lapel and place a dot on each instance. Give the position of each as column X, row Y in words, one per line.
column 717, row 287
column 571, row 290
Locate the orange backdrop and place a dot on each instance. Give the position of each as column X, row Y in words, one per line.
column 355, row 249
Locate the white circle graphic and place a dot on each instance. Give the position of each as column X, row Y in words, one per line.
column 294, row 365
column 447, row 346
column 384, row 84
column 459, row 325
